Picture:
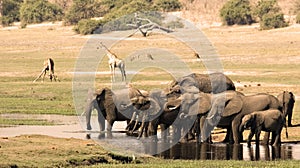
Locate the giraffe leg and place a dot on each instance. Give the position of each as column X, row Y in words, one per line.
column 40, row 75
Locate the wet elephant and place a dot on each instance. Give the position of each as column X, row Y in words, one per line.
column 224, row 110
column 271, row 120
column 112, row 106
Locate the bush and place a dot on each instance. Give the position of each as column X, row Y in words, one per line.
column 37, row 11
column 128, row 8
column 270, row 14
column 88, row 26
column 83, row 9
column 10, row 11
column 167, row 5
column 272, row 20
column 298, row 18
column 236, row 12
column 266, row 6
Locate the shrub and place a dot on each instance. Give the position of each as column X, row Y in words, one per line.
column 88, row 26
column 266, row 6
column 130, row 7
column 37, row 11
column 298, row 18
column 272, row 20
column 167, row 5
column 236, row 12
column 10, row 11
column 270, row 14
column 83, row 9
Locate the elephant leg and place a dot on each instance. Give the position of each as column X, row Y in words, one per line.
column 251, row 134
column 290, row 119
column 228, row 136
column 277, row 137
column 164, row 132
column 197, row 129
column 131, row 122
column 257, row 134
column 266, row 138
column 273, row 137
column 235, row 129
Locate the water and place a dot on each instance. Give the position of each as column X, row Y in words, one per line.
column 71, row 127
column 220, row 151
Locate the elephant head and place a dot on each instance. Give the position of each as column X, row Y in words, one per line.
column 195, row 104
column 106, row 103
column 287, row 100
column 247, row 121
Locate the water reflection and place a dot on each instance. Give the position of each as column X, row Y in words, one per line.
column 203, row 151
column 219, row 151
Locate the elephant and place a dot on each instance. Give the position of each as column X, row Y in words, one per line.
column 112, row 106
column 224, row 110
column 208, row 83
column 287, row 100
column 158, row 115
column 202, row 104
column 271, row 120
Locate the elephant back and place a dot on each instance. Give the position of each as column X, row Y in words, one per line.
column 207, row 83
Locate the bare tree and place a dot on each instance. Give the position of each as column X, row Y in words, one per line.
column 145, row 28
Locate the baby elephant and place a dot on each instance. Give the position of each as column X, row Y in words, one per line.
column 269, row 120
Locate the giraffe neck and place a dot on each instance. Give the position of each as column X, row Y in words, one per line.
column 111, row 56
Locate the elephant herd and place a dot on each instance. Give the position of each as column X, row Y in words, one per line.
column 193, row 106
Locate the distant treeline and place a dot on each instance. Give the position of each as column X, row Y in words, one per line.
column 82, row 13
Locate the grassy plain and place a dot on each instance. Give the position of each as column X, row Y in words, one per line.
column 257, row 61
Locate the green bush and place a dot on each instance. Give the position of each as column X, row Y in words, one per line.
column 10, row 11
column 88, row 26
column 128, row 7
column 264, row 7
column 272, row 20
column 236, row 12
column 83, row 9
column 167, row 5
column 270, row 14
column 298, row 18
column 37, row 11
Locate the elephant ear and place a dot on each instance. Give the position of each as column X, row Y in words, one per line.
column 233, row 105
column 204, row 103
column 154, row 110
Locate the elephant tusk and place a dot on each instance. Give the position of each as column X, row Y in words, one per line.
column 183, row 116
column 172, row 108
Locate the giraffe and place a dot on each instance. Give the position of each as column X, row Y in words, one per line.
column 113, row 62
column 48, row 66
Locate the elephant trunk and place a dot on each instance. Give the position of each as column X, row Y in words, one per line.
column 94, row 105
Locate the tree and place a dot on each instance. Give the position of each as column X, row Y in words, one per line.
column 83, row 9
column 167, row 5
column 37, row 11
column 236, row 12
column 269, row 14
column 9, row 11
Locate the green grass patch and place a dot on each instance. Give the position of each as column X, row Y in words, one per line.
column 11, row 122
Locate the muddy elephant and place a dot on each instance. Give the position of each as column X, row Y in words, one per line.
column 271, row 120
column 287, row 100
column 207, row 83
column 224, row 110
column 112, row 106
